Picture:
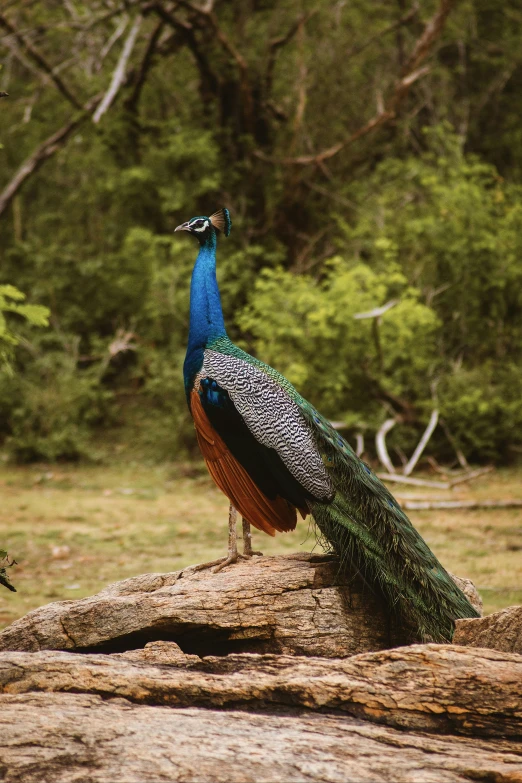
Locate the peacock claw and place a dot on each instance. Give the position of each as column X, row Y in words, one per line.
column 230, row 560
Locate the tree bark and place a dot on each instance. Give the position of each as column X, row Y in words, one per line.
column 291, row 604
column 67, row 717
column 270, row 604
column 499, row 631
column 70, row 737
column 155, row 679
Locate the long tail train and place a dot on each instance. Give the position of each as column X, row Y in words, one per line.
column 367, row 529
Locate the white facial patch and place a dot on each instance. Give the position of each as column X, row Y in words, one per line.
column 203, row 227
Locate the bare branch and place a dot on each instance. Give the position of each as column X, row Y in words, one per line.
column 277, row 43
column 38, row 58
column 422, row 443
column 432, row 505
column 359, row 441
column 472, row 475
column 132, row 101
column 208, row 14
column 431, row 32
column 407, row 17
column 116, row 35
column 307, row 160
column 16, row 52
column 460, row 456
column 209, row 78
column 118, row 77
column 409, row 74
column 380, row 444
column 44, row 151
column 377, row 311
column 416, row 482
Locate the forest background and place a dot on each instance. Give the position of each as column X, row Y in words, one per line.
column 370, row 153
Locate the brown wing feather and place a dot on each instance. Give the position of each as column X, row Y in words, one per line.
column 233, row 480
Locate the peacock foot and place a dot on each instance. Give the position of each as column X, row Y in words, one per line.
column 232, row 558
column 233, row 555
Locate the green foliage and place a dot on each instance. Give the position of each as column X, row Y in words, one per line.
column 415, row 211
column 456, row 227
column 12, row 303
column 449, row 223
column 307, row 329
column 49, row 409
column 483, row 407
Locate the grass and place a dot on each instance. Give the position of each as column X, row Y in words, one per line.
column 75, row 529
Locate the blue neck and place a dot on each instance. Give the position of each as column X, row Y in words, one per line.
column 206, row 315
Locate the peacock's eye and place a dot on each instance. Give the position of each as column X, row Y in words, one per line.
column 198, row 223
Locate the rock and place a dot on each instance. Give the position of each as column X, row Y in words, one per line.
column 289, row 604
column 498, row 631
column 68, row 738
column 470, row 591
column 249, row 675
column 433, row 688
column 159, row 653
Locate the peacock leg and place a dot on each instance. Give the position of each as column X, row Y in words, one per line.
column 247, row 540
column 233, row 555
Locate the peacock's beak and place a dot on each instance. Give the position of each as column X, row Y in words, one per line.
column 183, row 227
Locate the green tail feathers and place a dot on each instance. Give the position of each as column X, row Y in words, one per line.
column 371, row 534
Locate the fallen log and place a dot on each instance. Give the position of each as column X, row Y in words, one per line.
column 420, row 688
column 293, row 604
column 98, row 689
column 67, row 737
column 433, row 505
column 417, row 482
column 499, row 631
column 414, row 482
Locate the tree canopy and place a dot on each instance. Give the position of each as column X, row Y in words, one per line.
column 370, row 153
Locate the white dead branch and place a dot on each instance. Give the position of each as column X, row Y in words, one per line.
column 433, row 505
column 380, row 444
column 422, row 443
column 377, row 311
column 118, row 77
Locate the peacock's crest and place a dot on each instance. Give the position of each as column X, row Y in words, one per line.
column 221, row 221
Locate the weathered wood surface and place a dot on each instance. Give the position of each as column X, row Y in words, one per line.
column 500, row 631
column 68, row 738
column 433, row 688
column 286, row 604
column 98, row 690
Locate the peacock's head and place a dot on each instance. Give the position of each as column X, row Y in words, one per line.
column 204, row 227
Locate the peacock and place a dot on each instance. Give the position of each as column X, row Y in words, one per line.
column 275, row 456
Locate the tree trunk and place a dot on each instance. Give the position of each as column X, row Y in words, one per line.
column 154, row 679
